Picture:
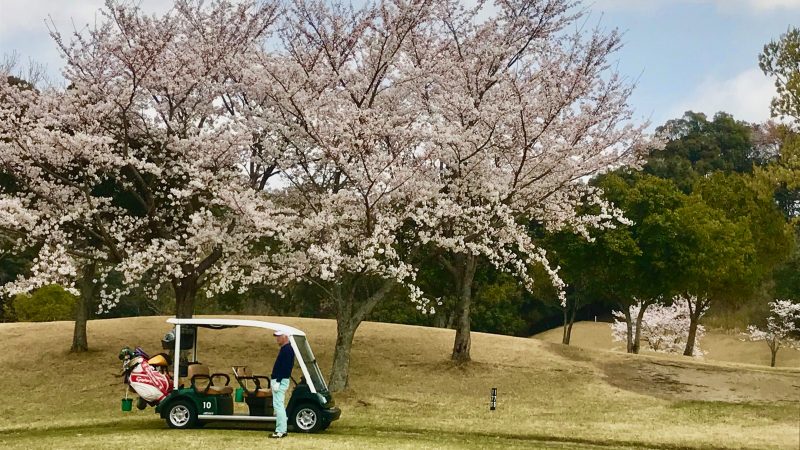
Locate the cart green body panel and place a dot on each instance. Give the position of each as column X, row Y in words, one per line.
column 219, row 405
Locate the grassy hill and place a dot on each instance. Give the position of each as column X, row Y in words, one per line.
column 406, row 394
column 718, row 345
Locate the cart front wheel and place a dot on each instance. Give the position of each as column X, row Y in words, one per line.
column 307, row 418
column 181, row 415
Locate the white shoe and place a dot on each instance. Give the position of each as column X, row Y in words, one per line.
column 277, row 435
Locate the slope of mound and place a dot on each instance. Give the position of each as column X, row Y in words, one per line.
column 404, row 393
column 718, row 345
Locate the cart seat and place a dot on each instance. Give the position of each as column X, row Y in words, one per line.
column 260, row 383
column 204, row 382
column 259, row 393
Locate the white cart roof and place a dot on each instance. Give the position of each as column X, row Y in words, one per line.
column 218, row 322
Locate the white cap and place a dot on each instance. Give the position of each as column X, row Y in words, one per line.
column 279, row 333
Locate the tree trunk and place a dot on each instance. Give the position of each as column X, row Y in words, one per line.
column 637, row 340
column 349, row 315
column 186, row 288
column 629, row 334
column 774, row 355
column 695, row 311
column 690, row 339
column 564, row 338
column 440, row 319
column 465, row 274
column 340, row 373
column 568, row 329
column 80, row 341
column 185, row 292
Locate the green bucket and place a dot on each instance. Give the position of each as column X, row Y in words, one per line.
column 127, row 404
column 239, row 394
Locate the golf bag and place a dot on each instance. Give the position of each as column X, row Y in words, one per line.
column 150, row 383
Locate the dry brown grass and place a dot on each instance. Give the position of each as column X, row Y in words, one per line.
column 719, row 345
column 405, row 393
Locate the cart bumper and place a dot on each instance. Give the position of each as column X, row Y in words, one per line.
column 331, row 414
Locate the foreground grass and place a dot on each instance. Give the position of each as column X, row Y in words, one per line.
column 121, row 434
column 405, row 394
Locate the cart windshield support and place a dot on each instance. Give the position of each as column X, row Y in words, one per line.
column 312, row 373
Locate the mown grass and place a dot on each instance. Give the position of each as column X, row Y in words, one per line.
column 404, row 394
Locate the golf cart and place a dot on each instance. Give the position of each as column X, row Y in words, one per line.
column 311, row 407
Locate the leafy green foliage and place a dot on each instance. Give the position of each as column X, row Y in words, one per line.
column 644, row 264
column 720, row 241
column 787, row 278
column 11, row 265
column 45, row 304
column 697, row 146
column 781, row 60
column 500, row 305
column 496, row 308
column 748, row 201
column 713, row 256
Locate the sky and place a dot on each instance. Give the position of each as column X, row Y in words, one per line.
column 699, row 55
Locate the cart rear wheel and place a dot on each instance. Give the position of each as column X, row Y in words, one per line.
column 307, row 418
column 181, row 415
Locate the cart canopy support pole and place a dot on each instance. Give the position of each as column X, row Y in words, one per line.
column 176, row 358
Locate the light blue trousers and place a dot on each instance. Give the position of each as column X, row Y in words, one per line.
column 278, row 398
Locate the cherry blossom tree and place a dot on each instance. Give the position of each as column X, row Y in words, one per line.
column 66, row 261
column 385, row 157
column 782, row 328
column 137, row 166
column 664, row 328
column 347, row 140
column 524, row 107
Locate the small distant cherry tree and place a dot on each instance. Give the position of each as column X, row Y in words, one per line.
column 664, row 328
column 782, row 328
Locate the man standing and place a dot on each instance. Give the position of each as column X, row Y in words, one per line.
column 279, row 382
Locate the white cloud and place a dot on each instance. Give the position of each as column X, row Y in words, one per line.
column 746, row 96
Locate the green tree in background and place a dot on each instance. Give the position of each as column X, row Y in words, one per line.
column 45, row 304
column 697, row 146
column 677, row 243
column 781, row 61
column 713, row 259
column 11, row 265
column 750, row 201
column 598, row 271
column 628, row 264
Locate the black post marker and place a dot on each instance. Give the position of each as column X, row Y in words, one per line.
column 493, row 402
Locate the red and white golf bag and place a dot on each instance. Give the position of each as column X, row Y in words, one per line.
column 150, row 384
column 148, row 377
